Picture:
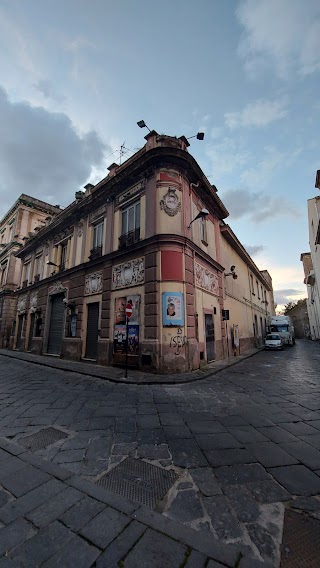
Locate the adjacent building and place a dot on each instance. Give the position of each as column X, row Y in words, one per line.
column 311, row 266
column 23, row 220
column 150, row 235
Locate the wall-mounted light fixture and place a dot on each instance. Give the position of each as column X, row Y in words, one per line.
column 232, row 272
column 201, row 215
column 50, row 263
column 142, row 124
column 198, row 136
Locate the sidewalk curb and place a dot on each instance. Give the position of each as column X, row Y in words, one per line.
column 161, row 380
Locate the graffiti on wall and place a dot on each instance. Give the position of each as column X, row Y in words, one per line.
column 177, row 342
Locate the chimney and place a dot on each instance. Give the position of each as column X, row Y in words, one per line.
column 112, row 169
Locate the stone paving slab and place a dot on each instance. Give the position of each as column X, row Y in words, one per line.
column 170, row 425
column 55, row 531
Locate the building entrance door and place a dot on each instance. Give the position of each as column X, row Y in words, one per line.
column 56, row 325
column 209, row 337
column 31, row 331
column 92, row 331
column 20, row 327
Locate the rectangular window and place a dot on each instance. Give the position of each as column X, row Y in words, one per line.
column 203, row 230
column 130, row 219
column 26, row 274
column 251, row 281
column 3, row 273
column 97, row 235
column 63, row 256
column 37, row 268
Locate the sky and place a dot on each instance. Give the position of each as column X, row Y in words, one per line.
column 76, row 76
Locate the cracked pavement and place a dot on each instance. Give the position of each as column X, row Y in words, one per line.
column 245, row 443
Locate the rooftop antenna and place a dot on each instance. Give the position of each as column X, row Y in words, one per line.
column 122, row 151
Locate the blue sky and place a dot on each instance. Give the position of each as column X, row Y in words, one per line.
column 75, row 76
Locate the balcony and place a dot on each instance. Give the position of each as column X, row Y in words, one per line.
column 95, row 253
column 129, row 238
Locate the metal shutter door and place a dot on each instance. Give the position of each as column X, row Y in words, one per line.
column 92, row 331
column 56, row 325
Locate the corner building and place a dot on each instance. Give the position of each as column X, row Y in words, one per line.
column 132, row 238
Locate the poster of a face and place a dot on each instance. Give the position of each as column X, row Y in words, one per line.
column 172, row 308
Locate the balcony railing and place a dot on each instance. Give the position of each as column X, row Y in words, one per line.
column 95, row 253
column 129, row 238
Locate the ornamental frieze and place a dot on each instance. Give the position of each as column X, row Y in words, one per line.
column 206, row 279
column 97, row 214
column 93, row 283
column 57, row 288
column 170, row 202
column 127, row 274
column 63, row 235
column 33, row 302
column 134, row 190
column 22, row 305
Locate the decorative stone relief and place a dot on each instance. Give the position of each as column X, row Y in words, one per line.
column 170, row 202
column 22, row 305
column 80, row 230
column 63, row 235
column 93, row 283
column 97, row 214
column 33, row 302
column 206, row 279
column 129, row 273
column 129, row 193
column 57, row 288
column 46, row 249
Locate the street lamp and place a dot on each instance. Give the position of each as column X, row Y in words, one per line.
column 142, row 124
column 201, row 215
column 50, row 263
column 198, row 136
column 232, row 272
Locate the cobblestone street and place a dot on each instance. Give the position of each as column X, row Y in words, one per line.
column 244, row 446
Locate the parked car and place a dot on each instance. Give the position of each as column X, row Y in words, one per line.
column 274, row 341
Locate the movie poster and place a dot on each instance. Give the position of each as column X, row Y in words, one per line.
column 120, row 333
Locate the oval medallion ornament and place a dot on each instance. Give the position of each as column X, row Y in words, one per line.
column 170, row 202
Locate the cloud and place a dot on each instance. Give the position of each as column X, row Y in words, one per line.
column 281, row 34
column 41, row 154
column 282, row 297
column 257, row 206
column 48, row 90
column 17, row 45
column 227, row 155
column 258, row 113
column 254, row 249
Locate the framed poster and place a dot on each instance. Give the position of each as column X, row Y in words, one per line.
column 172, row 308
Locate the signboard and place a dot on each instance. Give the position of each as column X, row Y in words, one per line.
column 225, row 315
column 129, row 310
column 173, row 308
